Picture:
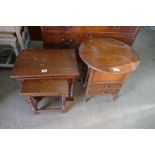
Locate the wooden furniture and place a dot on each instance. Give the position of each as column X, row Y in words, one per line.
column 32, row 89
column 16, row 37
column 110, row 63
column 47, row 64
column 72, row 36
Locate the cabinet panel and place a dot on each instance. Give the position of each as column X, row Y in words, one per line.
column 126, row 38
column 104, row 85
column 53, row 38
column 93, row 92
column 35, row 32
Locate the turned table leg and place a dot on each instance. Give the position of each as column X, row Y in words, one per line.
column 33, row 103
column 70, row 89
column 114, row 97
column 63, row 103
column 69, row 85
column 86, row 98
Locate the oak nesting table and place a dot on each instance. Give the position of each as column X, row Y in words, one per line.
column 46, row 65
column 109, row 62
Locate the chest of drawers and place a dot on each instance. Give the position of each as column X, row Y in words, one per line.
column 100, row 83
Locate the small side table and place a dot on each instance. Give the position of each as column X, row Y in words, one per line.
column 32, row 89
column 109, row 62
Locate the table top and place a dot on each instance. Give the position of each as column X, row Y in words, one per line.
column 45, row 63
column 108, row 55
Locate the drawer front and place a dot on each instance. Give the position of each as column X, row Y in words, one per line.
column 102, row 29
column 73, row 39
column 67, row 41
column 74, row 35
column 107, row 77
column 126, row 38
column 101, row 92
column 105, row 86
column 53, row 38
column 78, row 38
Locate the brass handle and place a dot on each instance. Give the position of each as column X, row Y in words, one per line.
column 71, row 40
column 67, row 41
column 63, row 39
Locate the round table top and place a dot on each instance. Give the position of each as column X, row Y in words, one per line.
column 108, row 55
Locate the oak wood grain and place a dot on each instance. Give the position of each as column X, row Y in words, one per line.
column 42, row 87
column 108, row 55
column 31, row 63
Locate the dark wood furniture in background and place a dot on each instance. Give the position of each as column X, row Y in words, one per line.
column 66, row 34
column 35, row 33
column 32, row 89
column 110, row 63
column 47, row 64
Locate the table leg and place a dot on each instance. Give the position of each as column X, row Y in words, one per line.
column 38, row 98
column 86, row 98
column 114, row 97
column 20, row 82
column 63, row 103
column 33, row 103
column 70, row 89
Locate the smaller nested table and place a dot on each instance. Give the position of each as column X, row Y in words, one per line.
column 32, row 89
column 110, row 63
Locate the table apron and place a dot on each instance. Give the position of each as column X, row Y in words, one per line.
column 70, row 80
column 49, row 77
